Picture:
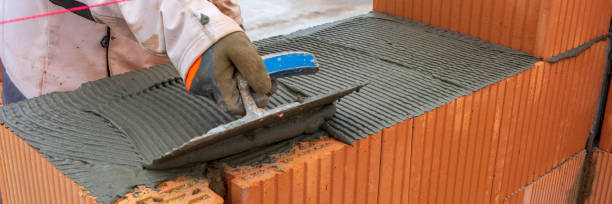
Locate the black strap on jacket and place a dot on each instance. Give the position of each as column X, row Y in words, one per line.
column 68, row 4
column 86, row 13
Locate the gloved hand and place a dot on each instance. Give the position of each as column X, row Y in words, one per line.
column 213, row 74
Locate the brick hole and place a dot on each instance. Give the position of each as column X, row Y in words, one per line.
column 162, row 186
column 173, row 190
column 199, row 199
column 176, row 200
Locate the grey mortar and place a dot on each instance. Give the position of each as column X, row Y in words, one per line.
column 101, row 134
column 411, row 68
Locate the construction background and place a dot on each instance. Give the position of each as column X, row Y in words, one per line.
column 543, row 135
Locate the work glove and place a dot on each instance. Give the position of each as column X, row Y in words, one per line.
column 213, row 74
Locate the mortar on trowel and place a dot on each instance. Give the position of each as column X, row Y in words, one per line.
column 260, row 127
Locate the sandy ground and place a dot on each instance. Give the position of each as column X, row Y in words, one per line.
column 268, row 18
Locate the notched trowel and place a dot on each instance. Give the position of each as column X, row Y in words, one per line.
column 280, row 122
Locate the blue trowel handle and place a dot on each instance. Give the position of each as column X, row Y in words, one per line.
column 286, row 64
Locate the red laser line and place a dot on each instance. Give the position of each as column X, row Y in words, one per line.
column 62, row 11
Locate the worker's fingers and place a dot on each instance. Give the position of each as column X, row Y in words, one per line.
column 236, row 108
column 232, row 100
column 261, row 100
column 215, row 76
column 248, row 62
column 228, row 96
column 273, row 88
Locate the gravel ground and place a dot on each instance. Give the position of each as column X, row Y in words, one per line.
column 264, row 19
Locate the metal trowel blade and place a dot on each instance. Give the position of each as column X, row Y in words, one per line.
column 180, row 156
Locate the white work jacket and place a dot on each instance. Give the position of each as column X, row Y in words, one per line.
column 60, row 52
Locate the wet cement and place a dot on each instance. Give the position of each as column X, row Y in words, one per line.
column 101, row 134
column 574, row 52
column 411, row 68
column 263, row 155
column 304, row 123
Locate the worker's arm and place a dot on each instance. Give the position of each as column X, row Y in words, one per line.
column 213, row 74
column 229, row 8
column 185, row 31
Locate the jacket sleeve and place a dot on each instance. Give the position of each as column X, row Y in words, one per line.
column 230, row 9
column 180, row 29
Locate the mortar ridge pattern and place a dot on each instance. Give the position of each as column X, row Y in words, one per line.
column 411, row 68
column 100, row 134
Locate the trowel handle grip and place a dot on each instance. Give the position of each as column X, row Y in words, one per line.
column 283, row 64
column 286, row 64
column 247, row 99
